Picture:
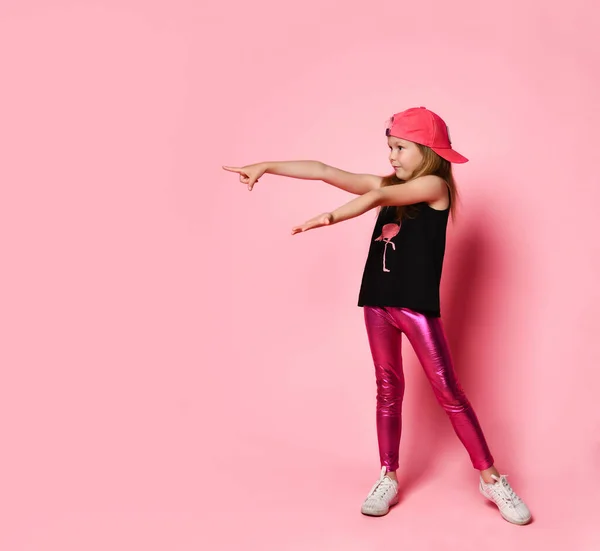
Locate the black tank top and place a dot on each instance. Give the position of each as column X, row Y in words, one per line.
column 404, row 264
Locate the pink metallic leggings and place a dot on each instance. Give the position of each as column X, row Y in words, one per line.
column 426, row 334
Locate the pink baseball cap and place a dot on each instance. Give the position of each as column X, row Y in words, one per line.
column 420, row 125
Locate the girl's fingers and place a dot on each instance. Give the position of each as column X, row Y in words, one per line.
column 245, row 178
column 304, row 227
column 318, row 222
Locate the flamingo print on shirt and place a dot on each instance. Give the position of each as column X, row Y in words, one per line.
column 388, row 232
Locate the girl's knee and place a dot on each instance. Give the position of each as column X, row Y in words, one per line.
column 390, row 389
column 389, row 405
column 455, row 404
column 389, row 396
column 454, row 401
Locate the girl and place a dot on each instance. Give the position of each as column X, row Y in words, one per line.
column 400, row 288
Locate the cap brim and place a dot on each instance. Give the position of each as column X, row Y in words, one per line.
column 450, row 155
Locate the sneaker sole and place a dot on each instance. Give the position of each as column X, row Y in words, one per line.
column 519, row 522
column 394, row 501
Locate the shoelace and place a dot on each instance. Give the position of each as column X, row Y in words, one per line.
column 507, row 493
column 380, row 488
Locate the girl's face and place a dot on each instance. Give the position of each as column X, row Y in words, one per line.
column 405, row 157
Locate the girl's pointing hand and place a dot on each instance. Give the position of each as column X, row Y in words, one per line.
column 249, row 174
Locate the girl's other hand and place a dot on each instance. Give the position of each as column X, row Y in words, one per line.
column 317, row 222
column 249, row 174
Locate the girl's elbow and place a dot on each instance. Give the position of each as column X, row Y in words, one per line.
column 377, row 198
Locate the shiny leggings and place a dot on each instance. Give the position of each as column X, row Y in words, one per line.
column 426, row 335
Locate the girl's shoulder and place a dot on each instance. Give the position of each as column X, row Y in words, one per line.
column 443, row 202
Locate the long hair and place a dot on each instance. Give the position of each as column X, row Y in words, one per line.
column 432, row 163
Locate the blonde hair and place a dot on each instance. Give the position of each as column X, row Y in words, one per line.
column 432, row 163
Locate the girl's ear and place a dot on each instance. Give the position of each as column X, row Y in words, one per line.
column 388, row 125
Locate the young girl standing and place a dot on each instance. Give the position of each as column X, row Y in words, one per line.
column 400, row 288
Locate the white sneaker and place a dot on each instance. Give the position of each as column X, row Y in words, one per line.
column 382, row 496
column 511, row 506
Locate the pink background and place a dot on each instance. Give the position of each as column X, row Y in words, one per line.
column 179, row 372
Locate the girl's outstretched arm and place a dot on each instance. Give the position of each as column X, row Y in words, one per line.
column 309, row 170
column 423, row 189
